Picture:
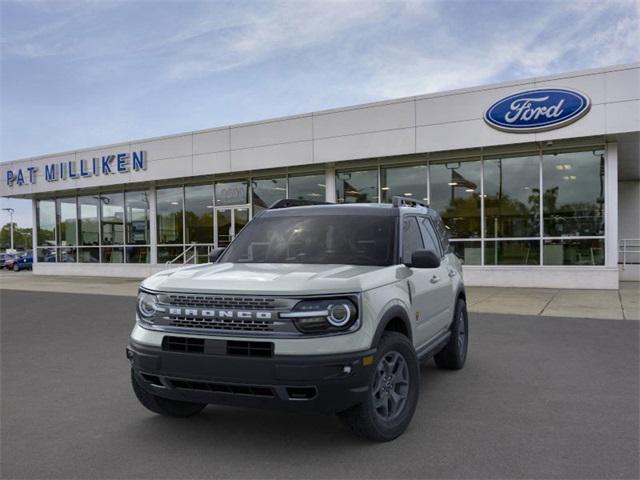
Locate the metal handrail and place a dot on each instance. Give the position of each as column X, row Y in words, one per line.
column 628, row 245
column 191, row 259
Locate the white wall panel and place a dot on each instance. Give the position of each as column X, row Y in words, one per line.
column 212, row 141
column 378, row 144
column 166, row 169
column 623, row 116
column 592, row 85
column 593, row 123
column 283, row 155
column 623, row 85
column 166, row 147
column 367, row 119
column 209, row 163
column 271, row 133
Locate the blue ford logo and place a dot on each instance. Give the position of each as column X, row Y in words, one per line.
column 537, row 110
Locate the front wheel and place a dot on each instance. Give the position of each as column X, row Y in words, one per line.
column 392, row 395
column 16, row 268
column 454, row 354
column 164, row 406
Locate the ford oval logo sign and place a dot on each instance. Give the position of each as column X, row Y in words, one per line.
column 537, row 110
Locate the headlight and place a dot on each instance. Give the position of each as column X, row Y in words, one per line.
column 324, row 315
column 147, row 303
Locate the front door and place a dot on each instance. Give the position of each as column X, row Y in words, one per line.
column 229, row 222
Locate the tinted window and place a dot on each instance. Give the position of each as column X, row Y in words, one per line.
column 411, row 238
column 429, row 235
column 340, row 239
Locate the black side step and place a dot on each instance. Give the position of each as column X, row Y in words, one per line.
column 434, row 346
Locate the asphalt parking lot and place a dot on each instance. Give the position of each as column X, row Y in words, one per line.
column 540, row 397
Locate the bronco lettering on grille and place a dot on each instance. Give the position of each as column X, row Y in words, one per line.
column 233, row 314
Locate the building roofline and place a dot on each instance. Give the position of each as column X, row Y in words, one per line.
column 444, row 93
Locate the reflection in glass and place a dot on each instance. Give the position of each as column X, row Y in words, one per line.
column 112, row 217
column 232, row 193
column 137, row 218
column 67, row 213
column 307, row 187
column 46, row 217
column 404, row 181
column 267, row 191
column 67, row 254
column 357, row 187
column 89, row 255
column 112, row 254
column 223, row 217
column 455, row 195
column 169, row 207
column 198, row 213
column 137, row 254
column 574, row 252
column 573, row 198
column 47, row 254
column 88, row 221
column 469, row 252
column 512, row 252
column 166, row 254
column 512, row 197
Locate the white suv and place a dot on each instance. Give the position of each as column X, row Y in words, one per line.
column 313, row 307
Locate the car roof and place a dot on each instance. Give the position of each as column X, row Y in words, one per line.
column 368, row 209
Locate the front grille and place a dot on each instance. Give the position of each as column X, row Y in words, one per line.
column 226, row 324
column 253, row 390
column 183, row 344
column 218, row 301
column 250, row 349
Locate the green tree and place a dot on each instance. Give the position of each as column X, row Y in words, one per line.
column 21, row 237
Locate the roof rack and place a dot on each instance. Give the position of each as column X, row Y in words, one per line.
column 292, row 202
column 399, row 201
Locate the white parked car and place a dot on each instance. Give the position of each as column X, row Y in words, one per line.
column 313, row 307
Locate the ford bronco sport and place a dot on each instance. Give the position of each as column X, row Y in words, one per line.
column 312, row 307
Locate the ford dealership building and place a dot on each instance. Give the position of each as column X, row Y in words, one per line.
column 536, row 179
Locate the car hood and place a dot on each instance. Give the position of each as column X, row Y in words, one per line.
column 271, row 278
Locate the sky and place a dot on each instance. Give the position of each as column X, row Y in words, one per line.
column 86, row 73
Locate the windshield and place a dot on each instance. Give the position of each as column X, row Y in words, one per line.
column 323, row 239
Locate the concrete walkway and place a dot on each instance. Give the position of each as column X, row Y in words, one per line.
column 623, row 304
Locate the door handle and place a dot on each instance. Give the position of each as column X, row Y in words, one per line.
column 435, row 279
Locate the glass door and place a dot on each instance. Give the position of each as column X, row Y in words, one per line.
column 229, row 221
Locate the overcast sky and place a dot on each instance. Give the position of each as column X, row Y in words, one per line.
column 81, row 74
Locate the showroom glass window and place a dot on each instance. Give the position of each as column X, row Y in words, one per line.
column 137, row 237
column 46, row 230
column 88, row 229
column 198, row 213
column 232, row 193
column 307, row 187
column 267, row 191
column 455, row 195
column 357, row 186
column 404, row 181
column 573, row 197
column 512, row 196
column 169, row 208
column 67, row 221
column 112, row 218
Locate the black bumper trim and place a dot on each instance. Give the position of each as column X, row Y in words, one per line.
column 306, row 383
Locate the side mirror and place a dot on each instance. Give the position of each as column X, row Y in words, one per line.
column 214, row 254
column 424, row 259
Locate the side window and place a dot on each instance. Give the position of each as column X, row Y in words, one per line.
column 411, row 238
column 430, row 237
column 443, row 233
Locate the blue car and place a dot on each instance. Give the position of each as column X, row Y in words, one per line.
column 23, row 262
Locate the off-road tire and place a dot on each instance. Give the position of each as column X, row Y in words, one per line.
column 164, row 406
column 454, row 354
column 363, row 419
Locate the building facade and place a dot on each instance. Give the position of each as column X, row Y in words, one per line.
column 537, row 181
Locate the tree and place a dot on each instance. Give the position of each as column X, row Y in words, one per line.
column 21, row 237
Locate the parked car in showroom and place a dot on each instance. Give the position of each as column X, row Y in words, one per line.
column 313, row 307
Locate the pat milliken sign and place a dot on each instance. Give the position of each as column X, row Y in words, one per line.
column 105, row 165
column 537, row 110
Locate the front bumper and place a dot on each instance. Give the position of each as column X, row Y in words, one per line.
column 302, row 383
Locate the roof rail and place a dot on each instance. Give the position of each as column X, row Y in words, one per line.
column 399, row 201
column 292, row 202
